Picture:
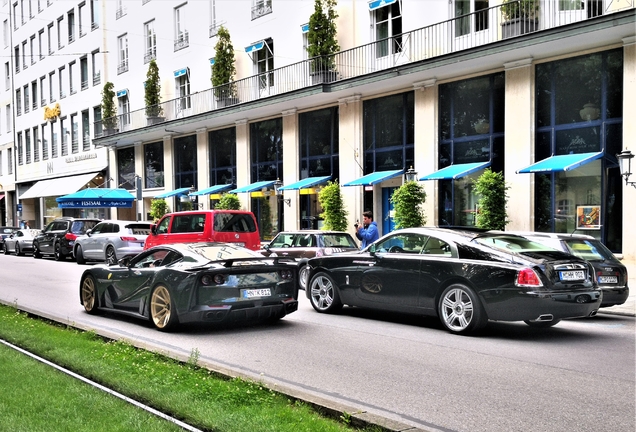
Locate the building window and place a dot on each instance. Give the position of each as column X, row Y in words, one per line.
column 126, row 168
column 471, row 130
column 579, row 109
column 24, row 55
column 97, row 121
column 49, row 33
column 387, row 29
column 95, row 58
column 70, row 17
column 84, row 73
column 86, row 132
column 16, row 58
column 7, row 76
column 95, row 5
column 124, row 110
column 185, row 156
column 153, row 165
column 27, row 145
column 71, row 78
column 183, row 93
column 121, row 9
column 9, row 117
column 52, row 87
column 82, row 19
column 65, row 134
column 53, row 140
column 10, row 161
column 42, row 91
column 122, row 53
column 32, row 49
column 222, row 153
column 61, row 75
column 260, row 8
column 18, row 102
column 36, row 144
column 60, row 33
column 45, row 146
column 34, row 95
column 264, row 64
column 150, row 41
column 74, row 134
column 467, row 24
column 40, row 37
column 181, row 38
column 5, row 32
column 27, row 99
column 20, row 149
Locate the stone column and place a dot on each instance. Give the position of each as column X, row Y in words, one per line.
column 243, row 161
column 203, row 166
column 351, row 156
column 426, row 143
column 291, row 169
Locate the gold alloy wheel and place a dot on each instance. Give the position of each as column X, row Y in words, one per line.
column 88, row 294
column 161, row 307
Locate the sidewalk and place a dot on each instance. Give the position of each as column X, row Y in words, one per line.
column 629, row 307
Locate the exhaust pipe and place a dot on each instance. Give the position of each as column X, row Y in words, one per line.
column 593, row 313
column 545, row 318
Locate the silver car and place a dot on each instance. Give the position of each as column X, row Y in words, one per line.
column 111, row 240
column 20, row 241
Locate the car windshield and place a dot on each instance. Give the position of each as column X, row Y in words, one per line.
column 591, row 250
column 81, row 226
column 338, row 240
column 511, row 243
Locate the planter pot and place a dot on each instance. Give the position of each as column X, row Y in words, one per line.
column 323, row 77
column 155, row 120
column 110, row 131
column 224, row 102
column 517, row 27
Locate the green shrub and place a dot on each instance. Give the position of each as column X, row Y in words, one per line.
column 152, row 91
column 322, row 39
column 109, row 110
column 158, row 208
column 491, row 189
column 228, row 202
column 334, row 213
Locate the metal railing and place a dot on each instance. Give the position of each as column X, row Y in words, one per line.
column 467, row 31
column 262, row 7
column 182, row 41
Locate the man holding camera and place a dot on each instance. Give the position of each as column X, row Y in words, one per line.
column 368, row 232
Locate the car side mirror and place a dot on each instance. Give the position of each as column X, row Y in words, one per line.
column 372, row 249
column 153, row 229
column 89, row 232
column 124, row 262
column 266, row 247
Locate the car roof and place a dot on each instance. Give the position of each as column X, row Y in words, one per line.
column 312, row 232
column 563, row 236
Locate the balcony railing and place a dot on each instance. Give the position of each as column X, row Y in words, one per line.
column 120, row 12
column 122, row 67
column 454, row 35
column 262, row 7
column 151, row 54
column 97, row 78
column 182, row 41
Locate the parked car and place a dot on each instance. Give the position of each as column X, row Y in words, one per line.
column 196, row 282
column 611, row 274
column 58, row 237
column 464, row 277
column 6, row 231
column 309, row 244
column 230, row 226
column 20, row 241
column 111, row 240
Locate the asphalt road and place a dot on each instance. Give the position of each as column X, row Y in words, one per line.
column 578, row 376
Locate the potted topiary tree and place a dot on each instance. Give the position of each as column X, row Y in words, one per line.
column 407, row 200
column 152, row 94
column 109, row 110
column 520, row 17
column 158, row 208
column 228, row 202
column 491, row 206
column 322, row 42
column 223, row 70
column 333, row 210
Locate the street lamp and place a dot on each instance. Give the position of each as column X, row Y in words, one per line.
column 625, row 162
column 410, row 174
column 279, row 193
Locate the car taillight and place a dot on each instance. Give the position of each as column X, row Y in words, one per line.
column 70, row 236
column 528, row 277
column 128, row 239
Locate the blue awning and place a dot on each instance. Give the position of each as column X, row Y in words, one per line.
column 306, row 183
column 377, row 4
column 304, row 28
column 212, row 61
column 255, row 47
column 180, row 72
column 456, row 171
column 254, row 186
column 373, row 178
column 182, row 191
column 213, row 189
column 96, row 198
column 561, row 163
column 122, row 93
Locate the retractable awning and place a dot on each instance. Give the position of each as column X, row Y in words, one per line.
column 456, row 171
column 561, row 163
column 377, row 4
column 375, row 177
column 213, row 189
column 181, row 191
column 57, row 187
column 254, row 186
column 96, row 198
column 306, row 183
column 257, row 46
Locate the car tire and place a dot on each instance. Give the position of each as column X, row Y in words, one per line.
column 57, row 252
column 6, row 250
column 36, row 251
column 323, row 293
column 303, row 275
column 79, row 255
column 18, row 252
column 543, row 324
column 88, row 294
column 460, row 310
column 111, row 256
column 163, row 312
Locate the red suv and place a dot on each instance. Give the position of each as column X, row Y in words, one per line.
column 230, row 226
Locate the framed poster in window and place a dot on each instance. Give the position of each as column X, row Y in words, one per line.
column 588, row 217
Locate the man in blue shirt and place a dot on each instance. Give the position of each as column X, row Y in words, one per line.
column 368, row 232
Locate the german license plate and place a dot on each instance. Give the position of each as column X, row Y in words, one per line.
column 241, row 244
column 572, row 275
column 608, row 279
column 251, row 293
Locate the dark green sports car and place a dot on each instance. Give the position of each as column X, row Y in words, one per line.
column 194, row 282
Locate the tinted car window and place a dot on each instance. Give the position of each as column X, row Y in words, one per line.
column 510, row 243
column 80, row 227
column 232, row 222
column 402, row 243
column 338, row 240
column 99, row 228
column 188, row 223
column 283, row 240
column 591, row 250
column 162, row 228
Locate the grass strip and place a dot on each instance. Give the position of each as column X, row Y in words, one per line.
column 185, row 391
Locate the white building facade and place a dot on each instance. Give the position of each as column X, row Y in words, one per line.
column 448, row 88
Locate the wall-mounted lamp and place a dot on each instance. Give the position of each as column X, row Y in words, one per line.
column 410, row 175
column 279, row 193
column 625, row 163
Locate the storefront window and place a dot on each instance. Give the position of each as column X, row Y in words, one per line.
column 579, row 109
column 185, row 156
column 153, row 165
column 222, row 156
column 126, row 168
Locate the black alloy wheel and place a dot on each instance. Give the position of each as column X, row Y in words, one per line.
column 36, row 251
column 57, row 252
column 111, row 256
column 18, row 252
column 79, row 255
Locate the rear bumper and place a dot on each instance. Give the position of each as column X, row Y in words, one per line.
column 613, row 296
column 230, row 313
column 506, row 305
